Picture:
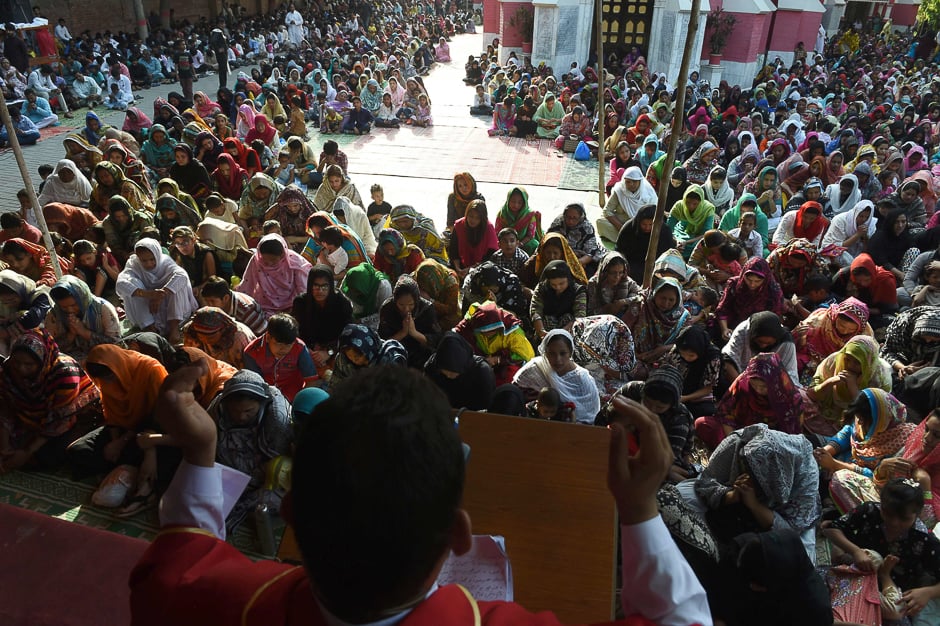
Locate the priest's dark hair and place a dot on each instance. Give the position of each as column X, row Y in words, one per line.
column 376, row 488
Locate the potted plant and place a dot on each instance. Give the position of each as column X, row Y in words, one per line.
column 720, row 26
column 523, row 20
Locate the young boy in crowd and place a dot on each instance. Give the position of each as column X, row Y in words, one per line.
column 45, row 170
column 701, row 304
column 509, row 256
column 378, row 210
column 726, row 259
column 218, row 293
column 26, row 209
column 747, row 234
column 271, row 226
column 283, row 171
column 332, row 155
column 332, row 239
column 13, row 226
column 98, row 268
column 281, row 357
column 548, row 406
column 818, row 296
column 482, row 102
column 929, row 293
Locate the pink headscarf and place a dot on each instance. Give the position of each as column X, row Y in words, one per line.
column 275, row 286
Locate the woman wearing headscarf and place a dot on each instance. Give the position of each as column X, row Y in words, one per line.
column 136, row 122
column 170, row 186
column 826, row 331
column 554, row 368
column 335, row 184
column 759, row 479
column 699, row 362
column 603, row 345
column 265, row 131
column 907, row 198
column 260, row 193
column 410, row 319
column 228, row 178
column 690, row 218
column 439, row 284
column 322, row 313
column 579, row 232
column 190, row 174
column 23, row 306
column 272, row 108
column 418, row 230
column 207, row 149
column 109, row 182
column 892, row 246
column 717, row 190
column 395, row 256
column 661, row 318
column 873, row 285
column 497, row 335
column 747, row 203
column 291, row 210
column 253, row 422
column 634, row 239
column 548, row 116
column 155, row 290
column 701, row 163
column 171, row 214
column 368, row 289
column 361, row 347
column 218, row 335
column 842, row 196
column 877, row 431
column 351, row 243
column 275, row 275
column 765, row 187
column 807, row 222
column 67, row 185
column 792, row 263
column 473, row 239
column 517, row 215
column 627, row 197
column 44, row 393
column 491, row 282
column 851, row 230
column 80, row 320
column 756, row 289
column 245, row 120
column 558, row 299
column 129, row 383
column 912, row 341
column 465, row 191
column 72, row 222
column 466, row 378
column 838, row 380
column 611, row 291
column 123, row 226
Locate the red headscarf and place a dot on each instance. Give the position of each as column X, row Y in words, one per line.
column 813, row 229
column 232, row 185
column 883, row 288
column 267, row 135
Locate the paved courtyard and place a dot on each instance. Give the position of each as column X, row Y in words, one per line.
column 415, row 166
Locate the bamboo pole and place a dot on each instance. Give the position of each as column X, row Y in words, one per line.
column 24, row 173
column 601, row 183
column 678, row 121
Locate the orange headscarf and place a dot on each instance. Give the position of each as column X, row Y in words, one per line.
column 211, row 383
column 131, row 395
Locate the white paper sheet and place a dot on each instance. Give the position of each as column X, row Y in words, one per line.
column 485, row 571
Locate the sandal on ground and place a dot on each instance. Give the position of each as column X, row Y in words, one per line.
column 136, row 504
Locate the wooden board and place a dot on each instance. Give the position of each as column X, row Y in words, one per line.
column 541, row 485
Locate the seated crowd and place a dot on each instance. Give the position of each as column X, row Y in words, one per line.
column 788, row 341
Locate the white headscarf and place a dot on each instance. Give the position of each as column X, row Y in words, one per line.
column 161, row 274
column 844, row 226
column 722, row 198
column 632, row 202
column 833, row 195
column 75, row 193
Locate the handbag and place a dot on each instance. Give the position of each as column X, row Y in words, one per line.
column 571, row 143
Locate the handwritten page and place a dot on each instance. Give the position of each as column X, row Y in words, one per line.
column 485, row 571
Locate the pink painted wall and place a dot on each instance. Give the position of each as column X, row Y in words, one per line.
column 748, row 39
column 490, row 16
column 792, row 27
column 903, row 14
column 509, row 35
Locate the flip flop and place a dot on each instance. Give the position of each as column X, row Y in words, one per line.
column 136, row 504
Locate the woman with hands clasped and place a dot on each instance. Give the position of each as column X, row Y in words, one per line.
column 658, row 583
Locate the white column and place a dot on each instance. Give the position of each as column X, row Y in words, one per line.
column 667, row 38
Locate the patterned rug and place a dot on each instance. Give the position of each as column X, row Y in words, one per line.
column 57, row 495
column 580, row 175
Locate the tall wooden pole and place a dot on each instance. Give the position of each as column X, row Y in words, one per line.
column 598, row 26
column 24, row 173
column 678, row 120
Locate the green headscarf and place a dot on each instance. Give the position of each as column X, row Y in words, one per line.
column 364, row 279
column 694, row 221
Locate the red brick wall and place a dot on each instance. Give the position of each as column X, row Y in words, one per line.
column 792, row 27
column 748, row 39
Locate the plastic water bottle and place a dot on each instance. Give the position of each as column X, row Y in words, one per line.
column 265, row 527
